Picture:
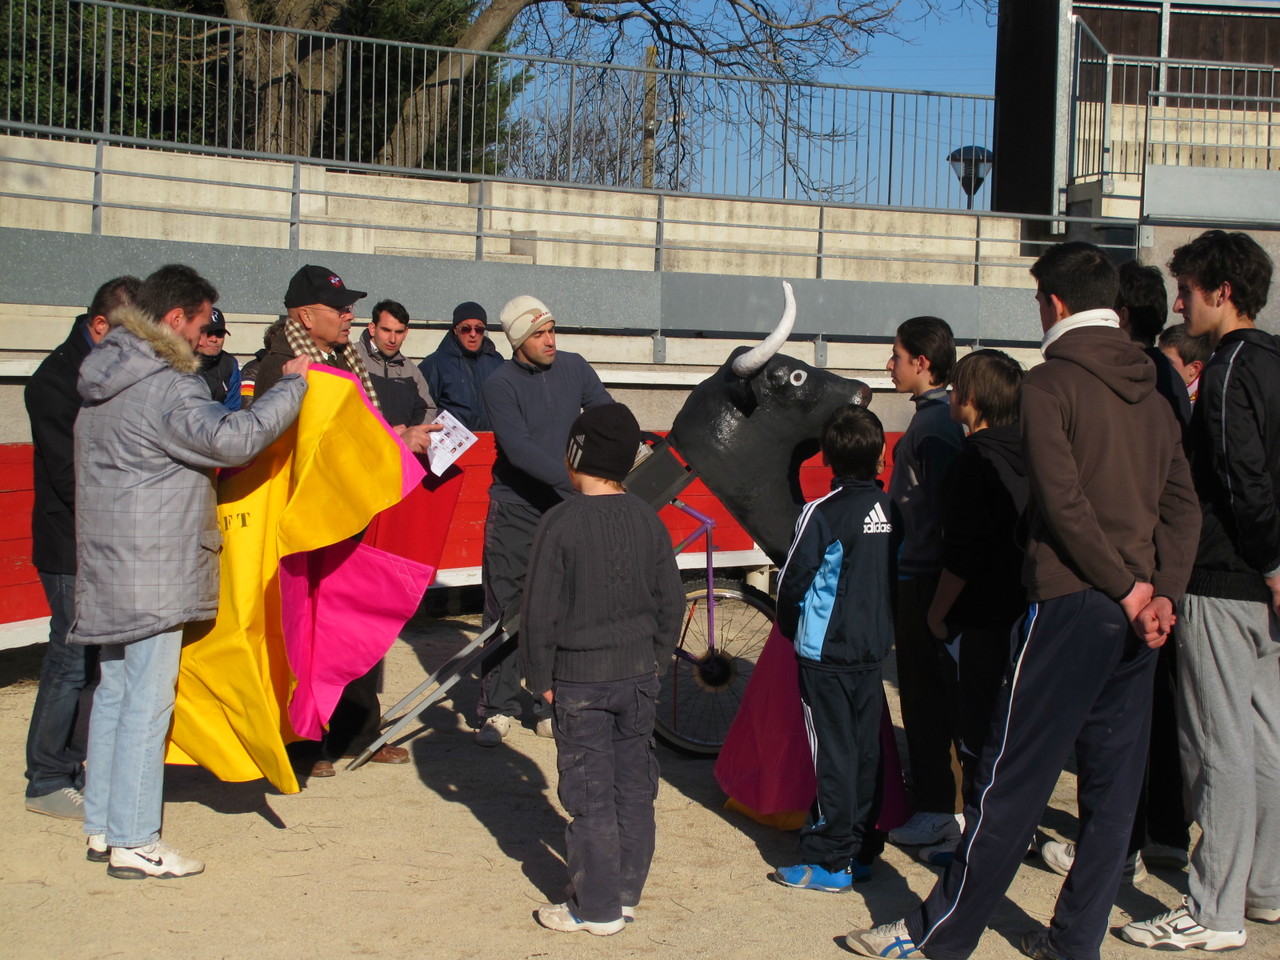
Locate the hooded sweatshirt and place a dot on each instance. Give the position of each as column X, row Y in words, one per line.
column 1235, row 460
column 983, row 499
column 1111, row 495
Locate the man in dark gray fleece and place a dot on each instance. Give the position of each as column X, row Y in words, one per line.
column 532, row 400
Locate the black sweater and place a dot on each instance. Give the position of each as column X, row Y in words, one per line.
column 983, row 500
column 602, row 598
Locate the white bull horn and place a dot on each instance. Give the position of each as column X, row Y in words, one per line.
column 759, row 355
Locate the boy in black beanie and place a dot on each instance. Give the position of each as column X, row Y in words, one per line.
column 602, row 608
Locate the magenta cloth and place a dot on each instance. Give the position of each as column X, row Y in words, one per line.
column 342, row 608
column 766, row 764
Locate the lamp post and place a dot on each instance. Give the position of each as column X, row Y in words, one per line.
column 972, row 166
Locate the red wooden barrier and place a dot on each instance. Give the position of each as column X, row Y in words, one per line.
column 22, row 598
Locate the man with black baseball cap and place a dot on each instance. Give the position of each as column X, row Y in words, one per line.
column 319, row 327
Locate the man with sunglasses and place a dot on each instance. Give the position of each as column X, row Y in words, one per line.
column 464, row 360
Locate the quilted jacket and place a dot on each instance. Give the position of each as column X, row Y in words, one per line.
column 147, row 443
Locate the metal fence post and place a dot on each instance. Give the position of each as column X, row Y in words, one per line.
column 573, row 116
column 481, row 199
column 96, row 227
column 1104, row 142
column 231, row 86
column 106, row 74
column 659, row 234
column 295, row 207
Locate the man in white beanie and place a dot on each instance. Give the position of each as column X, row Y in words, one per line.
column 532, row 401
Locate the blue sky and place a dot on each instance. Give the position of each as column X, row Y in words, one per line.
column 951, row 53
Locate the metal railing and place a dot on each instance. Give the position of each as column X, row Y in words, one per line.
column 974, row 248
column 89, row 69
column 1116, row 99
column 1196, row 130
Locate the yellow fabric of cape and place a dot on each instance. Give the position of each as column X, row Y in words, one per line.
column 320, row 483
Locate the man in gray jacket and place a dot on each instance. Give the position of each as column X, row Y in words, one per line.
column 147, row 443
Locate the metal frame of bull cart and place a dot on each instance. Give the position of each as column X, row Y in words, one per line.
column 703, row 684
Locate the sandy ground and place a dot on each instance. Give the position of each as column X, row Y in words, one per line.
column 449, row 856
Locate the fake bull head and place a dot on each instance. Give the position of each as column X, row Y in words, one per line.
column 747, row 428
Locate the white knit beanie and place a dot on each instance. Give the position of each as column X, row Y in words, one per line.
column 521, row 316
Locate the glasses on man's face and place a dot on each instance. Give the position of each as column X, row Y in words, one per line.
column 464, row 331
column 220, row 334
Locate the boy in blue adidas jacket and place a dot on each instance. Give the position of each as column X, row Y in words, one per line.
column 834, row 603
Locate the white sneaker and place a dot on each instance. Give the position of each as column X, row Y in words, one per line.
column 545, row 728
column 559, row 916
column 1178, row 930
column 1060, row 857
column 493, row 731
column 156, row 859
column 927, row 829
column 96, row 849
column 887, row 940
column 1256, row 914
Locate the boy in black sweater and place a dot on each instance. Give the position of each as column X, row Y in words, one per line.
column 602, row 609
column 834, row 604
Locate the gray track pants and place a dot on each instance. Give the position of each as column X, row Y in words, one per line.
column 1229, row 720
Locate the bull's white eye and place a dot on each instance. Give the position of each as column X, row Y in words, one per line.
column 798, row 377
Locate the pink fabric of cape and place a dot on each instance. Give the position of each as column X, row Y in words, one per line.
column 342, row 608
column 766, row 764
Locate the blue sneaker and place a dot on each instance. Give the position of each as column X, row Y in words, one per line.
column 810, row 876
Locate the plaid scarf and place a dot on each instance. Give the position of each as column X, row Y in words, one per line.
column 344, row 356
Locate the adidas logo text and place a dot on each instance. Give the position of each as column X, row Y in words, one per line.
column 876, row 521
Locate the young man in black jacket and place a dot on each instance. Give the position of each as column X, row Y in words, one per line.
column 1228, row 635
column 55, row 759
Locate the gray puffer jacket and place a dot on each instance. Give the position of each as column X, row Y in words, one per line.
column 147, row 441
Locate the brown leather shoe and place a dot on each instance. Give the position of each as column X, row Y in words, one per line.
column 390, row 754
column 322, row 768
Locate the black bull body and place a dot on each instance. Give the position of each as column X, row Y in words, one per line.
column 747, row 429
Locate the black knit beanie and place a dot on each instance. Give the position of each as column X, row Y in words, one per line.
column 604, row 441
column 469, row 310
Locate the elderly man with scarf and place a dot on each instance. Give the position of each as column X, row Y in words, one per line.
column 319, row 327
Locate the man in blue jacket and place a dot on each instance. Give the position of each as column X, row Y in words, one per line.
column 532, row 400
column 465, row 358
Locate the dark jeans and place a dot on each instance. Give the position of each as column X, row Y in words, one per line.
column 608, row 782
column 1081, row 680
column 842, row 711
column 1162, row 813
column 508, row 538
column 55, row 754
column 984, row 661
column 926, row 693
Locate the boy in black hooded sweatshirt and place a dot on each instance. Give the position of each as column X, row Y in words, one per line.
column 980, row 594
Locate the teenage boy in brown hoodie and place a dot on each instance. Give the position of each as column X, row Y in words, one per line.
column 1112, row 522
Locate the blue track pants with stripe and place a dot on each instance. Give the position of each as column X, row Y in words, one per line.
column 1079, row 679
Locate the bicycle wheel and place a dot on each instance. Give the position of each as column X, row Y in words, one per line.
column 702, row 687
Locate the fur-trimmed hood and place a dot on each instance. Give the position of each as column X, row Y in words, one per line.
column 136, row 347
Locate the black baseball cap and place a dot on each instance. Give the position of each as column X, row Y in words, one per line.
column 314, row 284
column 218, row 324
